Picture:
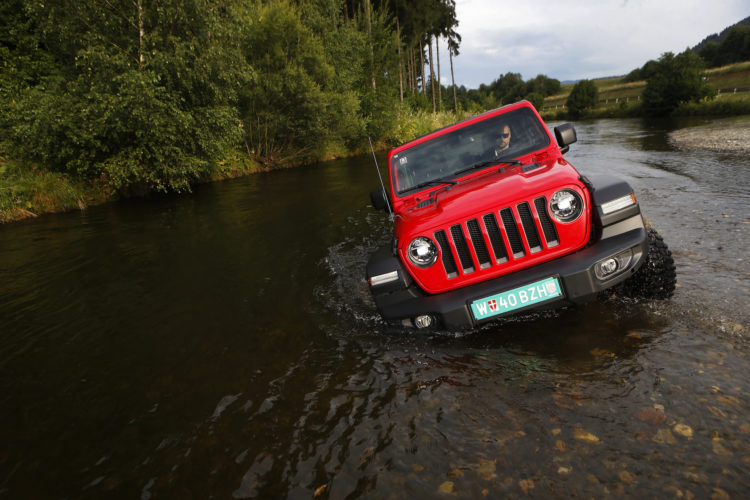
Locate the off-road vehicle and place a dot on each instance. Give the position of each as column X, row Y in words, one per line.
column 489, row 219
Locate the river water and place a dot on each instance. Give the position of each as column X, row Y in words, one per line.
column 224, row 344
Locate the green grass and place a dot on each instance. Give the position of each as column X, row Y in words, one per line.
column 730, row 77
column 27, row 192
column 411, row 124
column 723, row 105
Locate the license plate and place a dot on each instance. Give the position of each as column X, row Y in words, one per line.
column 517, row 298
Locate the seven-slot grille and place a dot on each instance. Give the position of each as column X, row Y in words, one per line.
column 494, row 238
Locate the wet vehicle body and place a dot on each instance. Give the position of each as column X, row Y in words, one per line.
column 491, row 220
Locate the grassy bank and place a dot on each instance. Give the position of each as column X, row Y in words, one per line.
column 27, row 191
column 620, row 99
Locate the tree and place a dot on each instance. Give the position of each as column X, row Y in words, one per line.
column 642, row 73
column 137, row 93
column 543, row 85
column 130, row 95
column 712, row 55
column 300, row 100
column 676, row 80
column 734, row 46
column 420, row 21
column 453, row 45
column 536, row 99
column 583, row 96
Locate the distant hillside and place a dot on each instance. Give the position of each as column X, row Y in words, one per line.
column 720, row 36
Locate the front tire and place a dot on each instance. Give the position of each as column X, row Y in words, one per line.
column 657, row 277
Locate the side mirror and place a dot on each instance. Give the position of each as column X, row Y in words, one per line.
column 379, row 199
column 565, row 135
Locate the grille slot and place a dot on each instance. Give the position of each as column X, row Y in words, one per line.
column 464, row 255
column 550, row 234
column 496, row 238
column 480, row 247
column 449, row 263
column 529, row 227
column 519, row 230
column 511, row 229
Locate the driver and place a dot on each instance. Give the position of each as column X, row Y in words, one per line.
column 502, row 139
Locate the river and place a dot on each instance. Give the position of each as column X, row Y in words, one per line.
column 224, row 344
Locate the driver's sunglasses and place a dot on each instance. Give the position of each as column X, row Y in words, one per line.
column 505, row 135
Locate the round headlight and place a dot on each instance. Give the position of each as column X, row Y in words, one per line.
column 566, row 205
column 422, row 252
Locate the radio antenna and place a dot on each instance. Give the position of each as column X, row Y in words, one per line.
column 382, row 184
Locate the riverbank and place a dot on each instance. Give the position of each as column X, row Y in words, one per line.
column 721, row 136
column 27, row 191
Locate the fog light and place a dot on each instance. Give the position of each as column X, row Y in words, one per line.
column 605, row 268
column 612, row 266
column 423, row 321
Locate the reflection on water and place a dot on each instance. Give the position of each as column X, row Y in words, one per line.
column 225, row 344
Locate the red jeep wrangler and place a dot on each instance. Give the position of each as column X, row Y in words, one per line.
column 489, row 220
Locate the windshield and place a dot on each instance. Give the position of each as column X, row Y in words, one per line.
column 494, row 140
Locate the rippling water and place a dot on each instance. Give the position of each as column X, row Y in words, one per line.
column 225, row 345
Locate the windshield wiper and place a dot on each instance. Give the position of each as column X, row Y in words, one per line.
column 476, row 166
column 435, row 182
column 487, row 163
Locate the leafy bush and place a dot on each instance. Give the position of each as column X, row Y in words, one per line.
column 675, row 80
column 583, row 96
column 155, row 110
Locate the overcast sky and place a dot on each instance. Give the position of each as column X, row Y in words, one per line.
column 576, row 39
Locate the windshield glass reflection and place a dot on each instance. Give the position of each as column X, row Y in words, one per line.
column 494, row 140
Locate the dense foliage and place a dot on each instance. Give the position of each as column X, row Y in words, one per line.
column 127, row 94
column 734, row 47
column 675, row 80
column 135, row 95
column 506, row 89
column 585, row 95
column 140, row 94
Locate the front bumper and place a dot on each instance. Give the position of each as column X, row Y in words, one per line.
column 401, row 299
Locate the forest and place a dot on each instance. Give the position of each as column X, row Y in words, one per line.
column 156, row 95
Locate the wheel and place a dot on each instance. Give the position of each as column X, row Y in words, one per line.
column 657, row 277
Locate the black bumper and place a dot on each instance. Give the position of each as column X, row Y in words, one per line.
column 403, row 300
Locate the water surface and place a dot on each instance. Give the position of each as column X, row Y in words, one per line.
column 224, row 344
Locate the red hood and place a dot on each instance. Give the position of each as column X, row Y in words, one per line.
column 484, row 192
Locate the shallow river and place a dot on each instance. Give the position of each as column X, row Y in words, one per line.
column 224, row 344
